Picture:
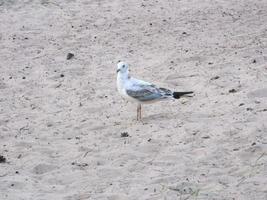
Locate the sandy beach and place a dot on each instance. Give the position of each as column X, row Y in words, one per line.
column 62, row 120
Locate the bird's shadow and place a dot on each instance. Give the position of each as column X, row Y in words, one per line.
column 160, row 116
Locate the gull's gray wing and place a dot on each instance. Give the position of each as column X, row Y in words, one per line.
column 148, row 92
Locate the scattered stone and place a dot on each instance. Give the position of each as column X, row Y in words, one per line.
column 149, row 139
column 79, row 164
column 241, row 104
column 17, row 172
column 253, row 144
column 214, row 78
column 184, row 33
column 23, row 77
column 150, row 24
column 235, row 149
column 70, row 56
column 206, row 137
column 249, row 109
column 2, row 159
column 254, row 61
column 232, row 91
column 124, row 134
column 210, row 63
column 62, row 75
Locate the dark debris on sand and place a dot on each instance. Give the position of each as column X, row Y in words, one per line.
column 124, row 134
column 70, row 56
column 2, row 159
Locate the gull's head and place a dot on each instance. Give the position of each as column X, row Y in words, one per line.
column 122, row 67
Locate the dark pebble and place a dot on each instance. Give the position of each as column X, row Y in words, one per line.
column 249, row 109
column 232, row 91
column 61, row 75
column 124, row 134
column 2, row 159
column 150, row 24
column 241, row 104
column 210, row 63
column 254, row 61
column 253, row 144
column 23, row 77
column 206, row 137
column 70, row 56
column 215, row 77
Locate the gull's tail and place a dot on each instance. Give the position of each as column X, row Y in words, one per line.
column 177, row 95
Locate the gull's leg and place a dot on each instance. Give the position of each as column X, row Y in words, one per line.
column 138, row 111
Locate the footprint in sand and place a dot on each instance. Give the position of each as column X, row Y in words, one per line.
column 43, row 168
column 261, row 93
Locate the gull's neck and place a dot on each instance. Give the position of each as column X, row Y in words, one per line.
column 123, row 76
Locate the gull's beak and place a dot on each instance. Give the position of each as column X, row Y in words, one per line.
column 118, row 70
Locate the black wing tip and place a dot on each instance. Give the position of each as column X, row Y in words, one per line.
column 177, row 95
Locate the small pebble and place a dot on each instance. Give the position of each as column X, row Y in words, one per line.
column 124, row 134
column 70, row 56
column 2, row 159
column 232, row 91
column 215, row 77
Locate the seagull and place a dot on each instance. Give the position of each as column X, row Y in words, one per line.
column 142, row 92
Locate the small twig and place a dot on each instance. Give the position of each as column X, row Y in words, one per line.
column 242, row 180
column 259, row 157
column 86, row 153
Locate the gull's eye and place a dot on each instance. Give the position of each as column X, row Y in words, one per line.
column 123, row 66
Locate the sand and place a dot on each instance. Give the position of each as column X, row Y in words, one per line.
column 61, row 119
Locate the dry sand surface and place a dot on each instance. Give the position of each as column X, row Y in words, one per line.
column 61, row 120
